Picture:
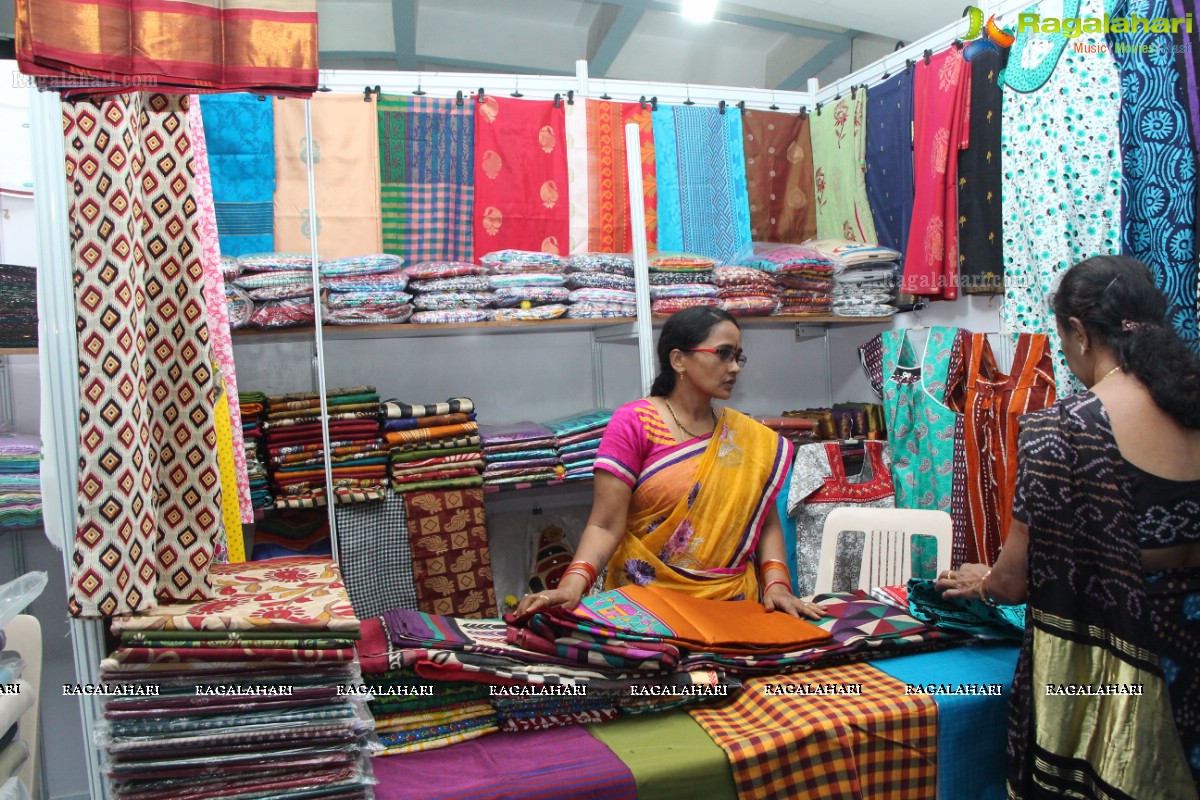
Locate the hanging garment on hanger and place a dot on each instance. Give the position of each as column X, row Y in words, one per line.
column 703, row 206
column 941, row 95
column 994, row 402
column 609, row 228
column 839, row 156
column 1057, row 211
column 147, row 504
column 889, row 159
column 819, row 484
column 779, row 176
column 427, row 177
column 520, row 176
column 1158, row 179
column 578, row 178
column 240, row 131
column 643, row 117
column 980, row 218
column 345, row 159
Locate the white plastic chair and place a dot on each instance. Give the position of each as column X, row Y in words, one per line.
column 887, row 548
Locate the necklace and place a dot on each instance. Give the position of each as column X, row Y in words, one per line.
column 1105, row 375
column 680, row 424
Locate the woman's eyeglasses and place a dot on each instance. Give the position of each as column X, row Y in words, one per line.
column 724, row 352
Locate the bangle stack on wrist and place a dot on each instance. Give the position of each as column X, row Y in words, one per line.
column 983, row 592
column 769, row 564
column 584, row 570
column 784, row 584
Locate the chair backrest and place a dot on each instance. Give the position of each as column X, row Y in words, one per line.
column 887, row 549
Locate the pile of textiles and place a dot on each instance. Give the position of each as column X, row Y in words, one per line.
column 798, row 430
column 365, row 290
column 249, row 691
column 746, row 291
column 526, row 285
column 280, row 284
column 432, row 446
column 864, row 277
column 844, row 421
column 519, row 453
column 254, row 407
column 292, row 532
column 413, row 714
column 601, row 286
column 577, row 439
column 18, row 306
column 20, row 486
column 357, row 451
column 804, row 276
column 679, row 281
column 449, row 292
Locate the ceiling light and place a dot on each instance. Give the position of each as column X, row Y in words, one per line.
column 698, row 10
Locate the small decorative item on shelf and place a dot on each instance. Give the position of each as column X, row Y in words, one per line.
column 554, row 555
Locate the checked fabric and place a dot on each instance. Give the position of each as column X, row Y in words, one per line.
column 451, row 562
column 375, row 555
column 880, row 743
column 149, row 486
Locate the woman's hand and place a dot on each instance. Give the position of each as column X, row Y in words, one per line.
column 964, row 582
column 779, row 598
column 567, row 595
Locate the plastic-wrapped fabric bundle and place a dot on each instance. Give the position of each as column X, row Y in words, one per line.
column 514, row 296
column 361, row 265
column 395, row 281
column 283, row 313
column 444, row 301
column 525, row 279
column 772, row 257
column 230, row 268
column 239, row 307
column 450, row 315
column 461, row 283
column 275, row 262
column 742, row 276
column 587, row 310
column 346, row 300
column 368, row 314
column 750, row 306
column 429, row 270
column 262, row 280
column 672, row 304
column 604, row 296
column 680, row 262
column 509, row 261
column 286, row 291
column 552, row 311
column 612, row 263
column 599, row 280
column 683, row 290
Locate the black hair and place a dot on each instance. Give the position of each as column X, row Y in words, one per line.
column 684, row 330
column 1117, row 301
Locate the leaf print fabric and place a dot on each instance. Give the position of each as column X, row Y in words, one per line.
column 839, row 143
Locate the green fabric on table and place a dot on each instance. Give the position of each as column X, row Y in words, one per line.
column 670, row 756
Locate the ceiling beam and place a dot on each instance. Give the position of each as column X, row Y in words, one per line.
column 749, row 20
column 404, row 24
column 610, row 30
column 463, row 65
column 827, row 55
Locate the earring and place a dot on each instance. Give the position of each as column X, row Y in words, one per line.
column 1082, row 350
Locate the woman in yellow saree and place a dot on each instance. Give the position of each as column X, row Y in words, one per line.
column 684, row 492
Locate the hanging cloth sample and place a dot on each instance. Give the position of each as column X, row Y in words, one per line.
column 218, row 314
column 253, row 45
column 240, row 132
column 889, row 159
column 578, row 176
column 521, row 194
column 839, row 161
column 1158, row 180
column 1187, row 60
column 427, row 177
column 345, row 157
column 941, row 106
column 451, row 562
column 643, row 117
column 994, row 402
column 703, row 206
column 1062, row 176
column 980, row 218
column 149, row 487
column 779, row 176
column 608, row 177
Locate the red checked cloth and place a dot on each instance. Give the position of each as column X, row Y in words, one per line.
column 882, row 743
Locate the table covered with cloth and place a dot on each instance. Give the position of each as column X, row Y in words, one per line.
column 920, row 726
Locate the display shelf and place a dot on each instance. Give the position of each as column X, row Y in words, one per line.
column 18, row 351
column 408, row 331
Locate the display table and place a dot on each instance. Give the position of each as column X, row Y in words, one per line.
column 879, row 743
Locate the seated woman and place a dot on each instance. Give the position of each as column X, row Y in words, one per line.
column 1105, row 548
column 684, row 492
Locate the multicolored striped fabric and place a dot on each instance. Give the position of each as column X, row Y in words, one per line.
column 878, row 742
column 427, row 173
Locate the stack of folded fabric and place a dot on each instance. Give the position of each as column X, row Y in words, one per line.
column 255, row 694
column 519, row 454
column 20, row 482
column 365, row 290
column 746, row 291
column 432, row 446
column 797, row 430
column 804, row 276
column 681, row 280
column 292, row 532
column 864, row 277
column 18, row 306
column 280, row 284
column 297, row 454
column 601, row 286
column 526, row 285
column 254, row 407
column 865, row 419
column 577, row 439
column 449, row 292
column 413, row 714
column 238, row 306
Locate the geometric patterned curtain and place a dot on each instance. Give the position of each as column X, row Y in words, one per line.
column 149, row 487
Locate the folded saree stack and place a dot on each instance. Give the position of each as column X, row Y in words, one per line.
column 18, row 306
column 519, row 454
column 577, row 439
column 433, row 446
column 526, row 285
column 681, row 280
column 365, row 290
column 252, row 694
column 254, row 406
column 20, row 481
column 804, row 276
column 746, row 291
column 601, row 286
column 357, row 450
column 280, row 284
column 865, row 277
column 449, row 292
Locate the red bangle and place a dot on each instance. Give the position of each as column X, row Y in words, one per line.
column 591, row 571
column 780, row 565
column 785, row 584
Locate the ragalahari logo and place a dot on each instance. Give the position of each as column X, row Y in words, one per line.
column 987, row 37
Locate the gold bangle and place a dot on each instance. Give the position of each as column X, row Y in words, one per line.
column 983, row 592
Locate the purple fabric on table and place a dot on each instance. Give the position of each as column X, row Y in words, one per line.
column 532, row 765
column 514, row 432
column 20, row 444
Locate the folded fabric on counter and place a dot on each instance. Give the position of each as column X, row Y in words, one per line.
column 972, row 616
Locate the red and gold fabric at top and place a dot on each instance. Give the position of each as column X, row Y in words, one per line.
column 172, row 45
column 521, row 197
